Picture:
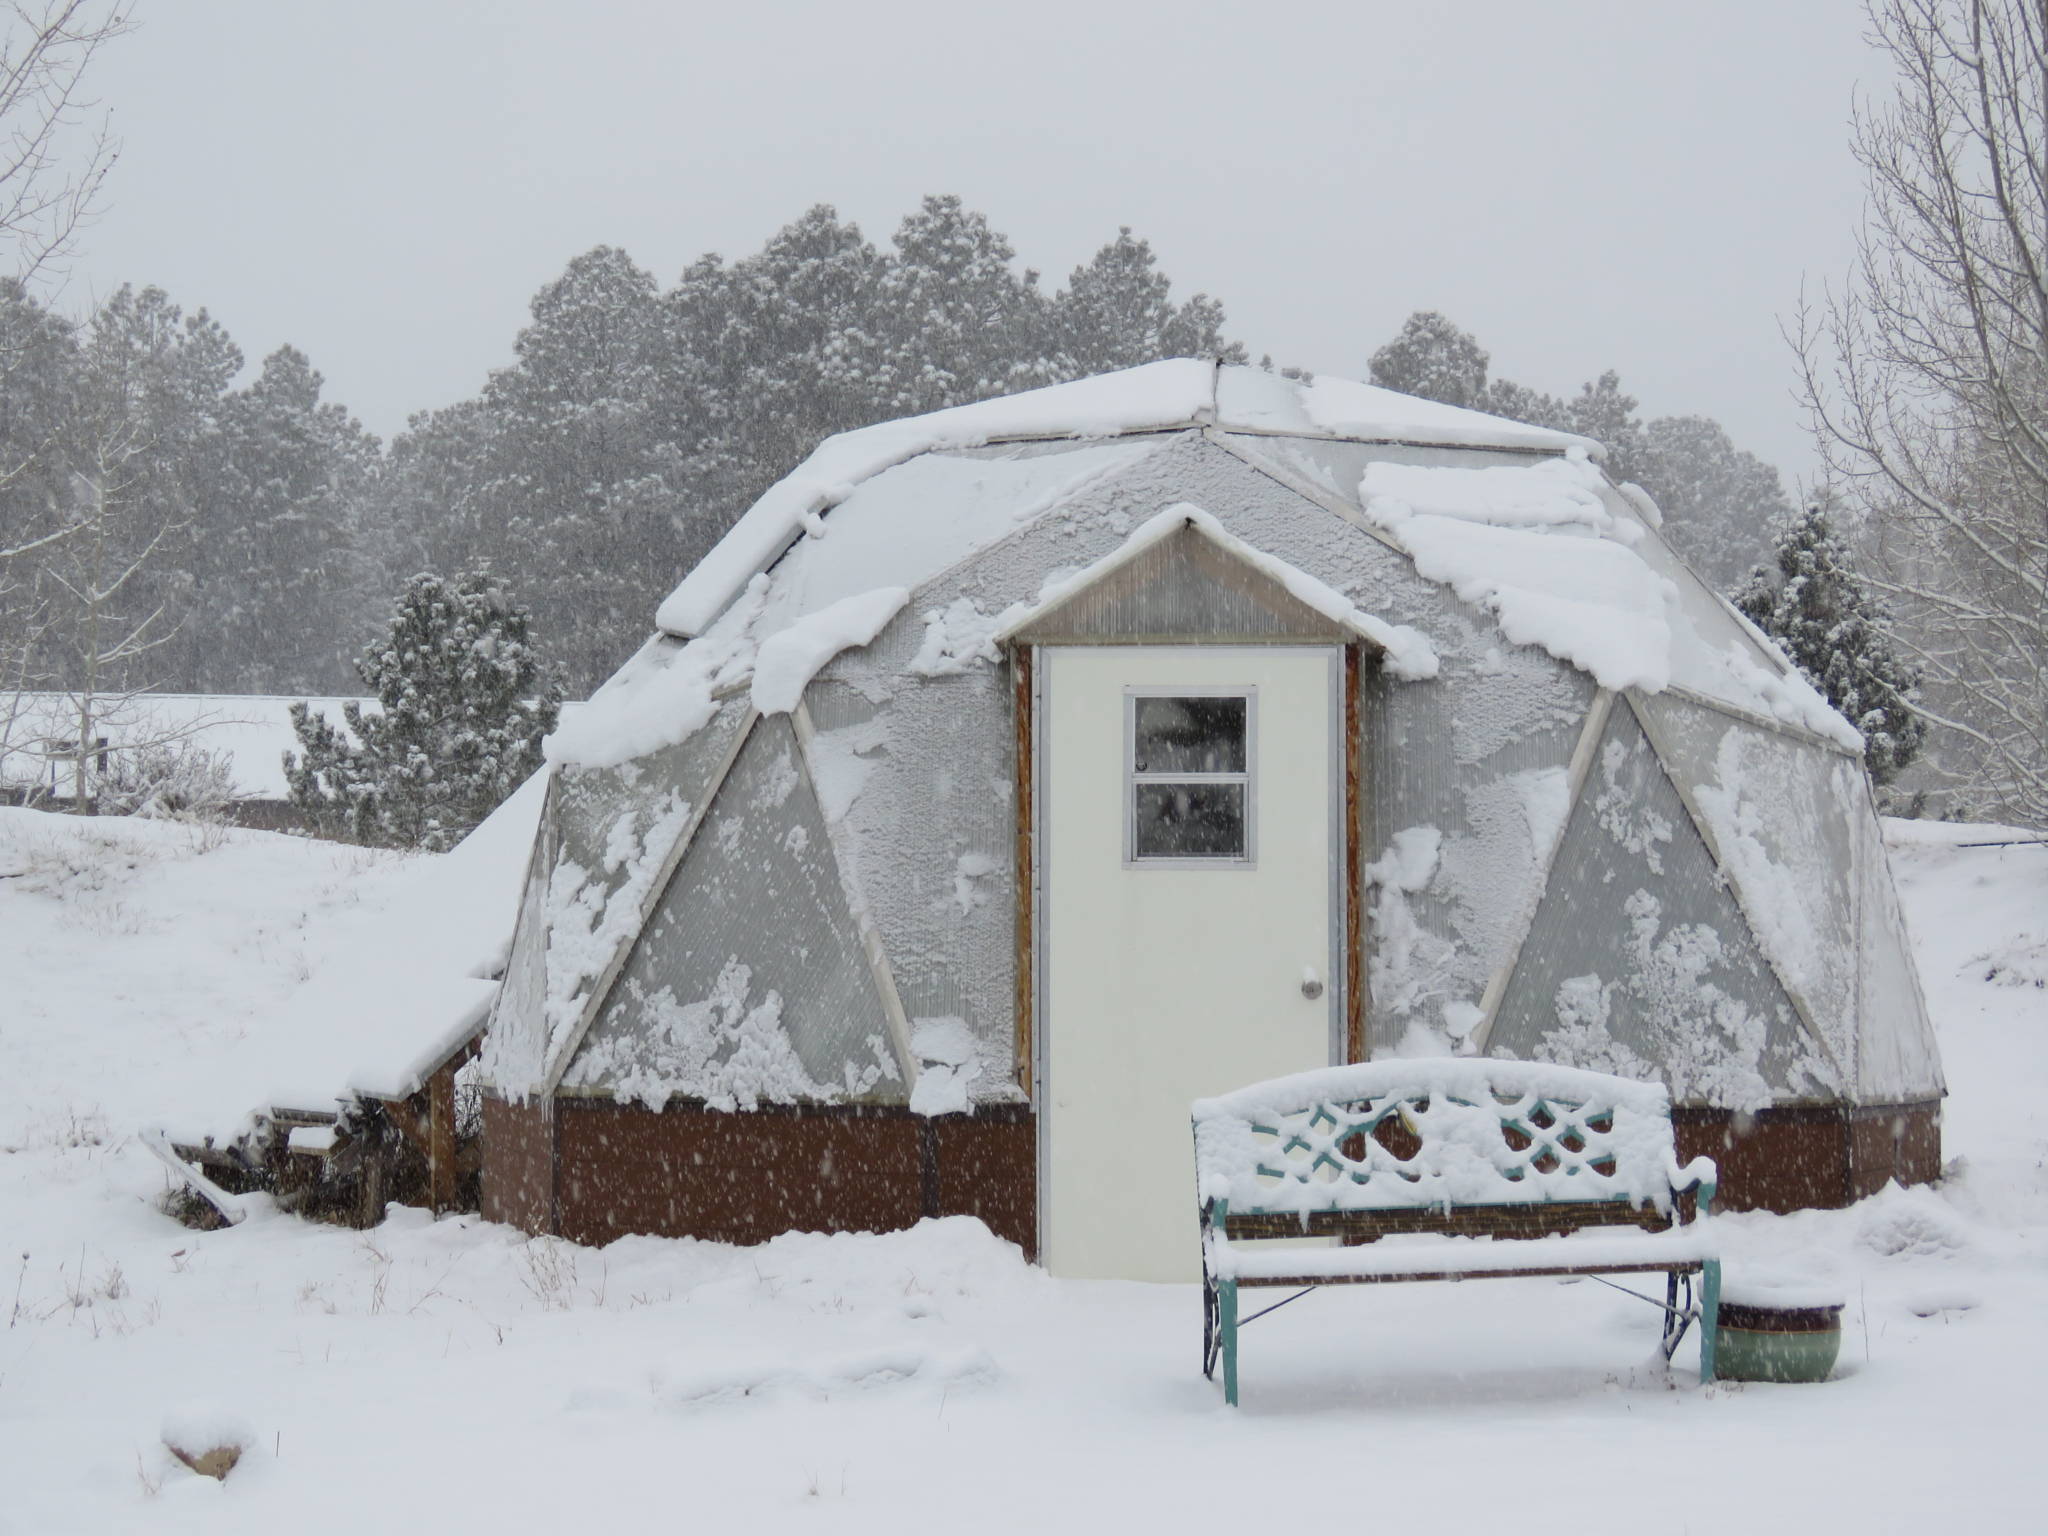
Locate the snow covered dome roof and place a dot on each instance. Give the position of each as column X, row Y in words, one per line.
column 1158, row 397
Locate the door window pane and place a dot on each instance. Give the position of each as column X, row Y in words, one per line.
column 1189, row 735
column 1188, row 821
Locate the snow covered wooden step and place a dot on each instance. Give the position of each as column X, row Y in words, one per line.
column 1447, row 1169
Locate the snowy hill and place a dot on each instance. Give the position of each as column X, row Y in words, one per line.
column 458, row 1376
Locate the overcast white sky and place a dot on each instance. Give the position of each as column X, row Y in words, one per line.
column 1638, row 184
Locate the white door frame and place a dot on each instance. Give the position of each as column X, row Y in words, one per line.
column 1337, row 985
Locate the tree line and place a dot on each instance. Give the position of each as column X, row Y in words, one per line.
column 178, row 527
column 245, row 536
column 268, row 530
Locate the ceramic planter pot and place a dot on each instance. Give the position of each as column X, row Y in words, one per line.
column 1778, row 1343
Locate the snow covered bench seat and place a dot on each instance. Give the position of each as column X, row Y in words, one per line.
column 1446, row 1169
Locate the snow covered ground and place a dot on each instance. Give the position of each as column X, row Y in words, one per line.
column 454, row 1376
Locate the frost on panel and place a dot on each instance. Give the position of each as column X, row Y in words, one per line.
column 1897, row 1059
column 956, row 637
column 749, row 984
column 1410, row 969
column 917, row 776
column 515, row 1044
column 1482, row 756
column 1782, row 813
column 615, row 828
column 1638, row 961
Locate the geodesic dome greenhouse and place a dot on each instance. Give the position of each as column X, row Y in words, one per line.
column 1011, row 776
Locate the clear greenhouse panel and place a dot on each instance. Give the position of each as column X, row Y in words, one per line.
column 1638, row 961
column 614, row 829
column 515, row 1044
column 910, row 523
column 1783, row 814
column 750, row 983
column 1899, row 1060
column 1482, row 758
column 1711, row 652
column 920, row 793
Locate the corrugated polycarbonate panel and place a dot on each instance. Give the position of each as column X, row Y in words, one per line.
column 1638, row 961
column 1898, row 1060
column 1711, row 652
column 1482, row 757
column 1783, row 815
column 910, row 523
column 749, row 983
column 591, row 803
column 921, row 790
column 1337, row 468
column 615, row 827
column 515, row 1045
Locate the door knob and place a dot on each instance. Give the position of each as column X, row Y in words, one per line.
column 1311, row 983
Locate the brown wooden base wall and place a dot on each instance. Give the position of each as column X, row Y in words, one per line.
column 595, row 1170
column 591, row 1170
column 1805, row 1159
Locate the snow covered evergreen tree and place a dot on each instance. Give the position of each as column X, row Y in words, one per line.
column 465, row 701
column 1719, row 503
column 958, row 321
column 279, row 568
column 1433, row 359
column 1118, row 312
column 1814, row 606
column 580, row 479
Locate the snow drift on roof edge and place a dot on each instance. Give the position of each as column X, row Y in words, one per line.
column 387, row 1008
column 1180, row 392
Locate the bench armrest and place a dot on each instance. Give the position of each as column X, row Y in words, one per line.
column 1701, row 1174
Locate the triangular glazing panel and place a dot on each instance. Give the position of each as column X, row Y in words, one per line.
column 750, row 983
column 1782, row 814
column 615, row 829
column 1638, row 962
column 1898, row 1061
column 515, row 1044
column 1481, row 766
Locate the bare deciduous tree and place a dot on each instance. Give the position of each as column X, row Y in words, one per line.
column 1927, row 378
column 55, row 153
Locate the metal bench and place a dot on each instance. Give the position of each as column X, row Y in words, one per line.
column 1447, row 1169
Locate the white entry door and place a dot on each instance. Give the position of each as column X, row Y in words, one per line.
column 1191, row 839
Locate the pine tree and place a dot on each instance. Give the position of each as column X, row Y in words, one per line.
column 1434, row 360
column 278, row 569
column 465, row 705
column 959, row 322
column 1719, row 503
column 1817, row 610
column 1118, row 312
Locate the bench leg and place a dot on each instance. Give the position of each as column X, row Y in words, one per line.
column 1209, row 1343
column 1710, row 1316
column 1677, row 1316
column 1226, row 1306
